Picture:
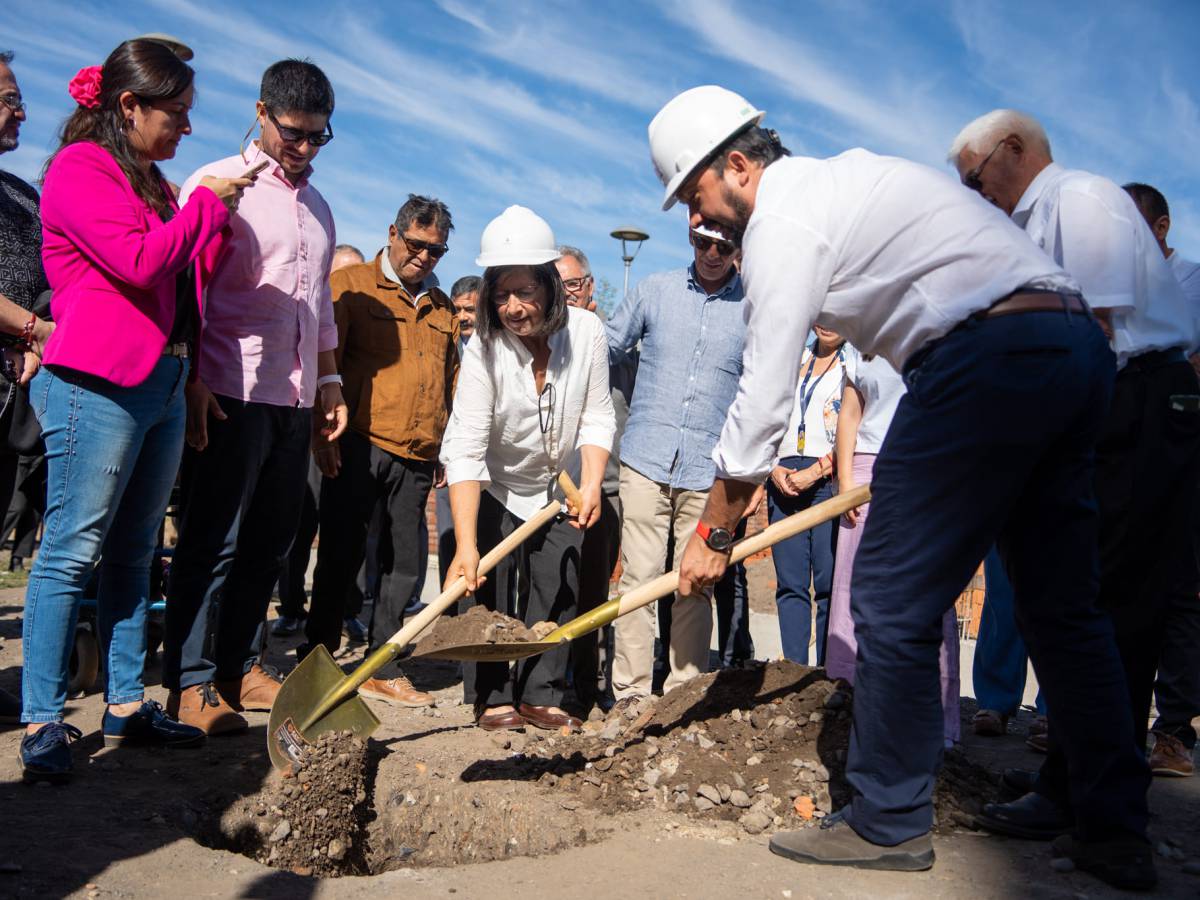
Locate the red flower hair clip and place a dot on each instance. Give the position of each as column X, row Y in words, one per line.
column 85, row 87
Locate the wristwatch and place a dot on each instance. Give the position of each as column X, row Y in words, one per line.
column 718, row 539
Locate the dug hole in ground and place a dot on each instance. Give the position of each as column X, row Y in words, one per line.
column 673, row 797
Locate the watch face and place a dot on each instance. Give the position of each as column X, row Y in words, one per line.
column 719, row 539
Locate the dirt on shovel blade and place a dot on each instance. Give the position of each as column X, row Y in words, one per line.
column 479, row 625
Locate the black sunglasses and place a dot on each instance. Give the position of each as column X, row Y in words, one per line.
column 296, row 135
column 702, row 243
column 415, row 246
column 971, row 179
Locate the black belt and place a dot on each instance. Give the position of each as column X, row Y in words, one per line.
column 1154, row 359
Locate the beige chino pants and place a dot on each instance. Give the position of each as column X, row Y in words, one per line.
column 650, row 513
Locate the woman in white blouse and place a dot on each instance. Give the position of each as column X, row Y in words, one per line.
column 532, row 389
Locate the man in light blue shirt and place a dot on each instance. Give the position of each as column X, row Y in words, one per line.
column 689, row 325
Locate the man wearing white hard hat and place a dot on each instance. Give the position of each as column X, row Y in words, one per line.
column 689, row 326
column 987, row 332
column 532, row 389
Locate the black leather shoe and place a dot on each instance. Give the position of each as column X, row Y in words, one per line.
column 1019, row 781
column 354, row 630
column 1032, row 817
column 1125, row 863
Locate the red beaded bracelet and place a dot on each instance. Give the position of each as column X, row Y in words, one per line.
column 27, row 331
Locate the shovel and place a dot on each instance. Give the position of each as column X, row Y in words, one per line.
column 645, row 594
column 318, row 697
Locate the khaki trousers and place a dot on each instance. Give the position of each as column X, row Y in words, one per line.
column 650, row 513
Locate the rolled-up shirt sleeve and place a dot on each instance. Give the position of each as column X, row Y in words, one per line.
column 465, row 442
column 598, row 420
column 787, row 272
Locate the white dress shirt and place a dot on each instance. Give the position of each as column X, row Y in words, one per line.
column 888, row 253
column 495, row 433
column 1187, row 273
column 1093, row 229
column 881, row 388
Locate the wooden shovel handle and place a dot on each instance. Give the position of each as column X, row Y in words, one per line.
column 574, row 498
column 645, row 594
column 451, row 595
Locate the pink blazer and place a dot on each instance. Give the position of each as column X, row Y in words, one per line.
column 112, row 263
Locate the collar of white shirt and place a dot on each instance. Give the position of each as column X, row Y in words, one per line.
column 1033, row 193
column 385, row 265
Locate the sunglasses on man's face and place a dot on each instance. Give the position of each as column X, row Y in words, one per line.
column 972, row 178
column 296, row 135
column 702, row 243
column 415, row 246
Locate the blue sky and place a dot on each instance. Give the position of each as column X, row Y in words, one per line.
column 546, row 103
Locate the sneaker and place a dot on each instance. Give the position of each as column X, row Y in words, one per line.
column 355, row 631
column 203, row 707
column 1171, row 756
column 10, row 708
column 46, row 754
column 835, row 843
column 396, row 690
column 286, row 625
column 254, row 690
column 149, row 726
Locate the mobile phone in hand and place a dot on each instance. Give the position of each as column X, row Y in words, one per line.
column 253, row 171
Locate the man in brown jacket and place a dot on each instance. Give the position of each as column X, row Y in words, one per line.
column 398, row 356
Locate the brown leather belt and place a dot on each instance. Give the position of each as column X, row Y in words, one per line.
column 1033, row 301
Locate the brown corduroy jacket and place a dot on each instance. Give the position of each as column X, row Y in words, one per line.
column 398, row 361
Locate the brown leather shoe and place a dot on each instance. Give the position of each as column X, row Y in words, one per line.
column 395, row 690
column 255, row 690
column 542, row 717
column 505, row 721
column 202, row 707
column 1171, row 756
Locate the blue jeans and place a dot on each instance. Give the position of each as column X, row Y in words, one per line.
column 801, row 561
column 112, row 454
column 732, row 597
column 954, row 477
column 1001, row 662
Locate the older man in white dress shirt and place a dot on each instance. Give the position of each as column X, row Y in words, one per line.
column 988, row 332
column 1150, row 444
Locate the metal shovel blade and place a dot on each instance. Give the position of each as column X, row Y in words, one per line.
column 289, row 732
column 489, row 652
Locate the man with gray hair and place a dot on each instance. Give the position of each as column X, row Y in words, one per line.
column 397, row 351
column 1150, row 444
column 345, row 255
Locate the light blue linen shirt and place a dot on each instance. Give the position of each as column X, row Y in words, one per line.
column 689, row 366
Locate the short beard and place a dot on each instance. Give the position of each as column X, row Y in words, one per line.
column 741, row 211
column 8, row 143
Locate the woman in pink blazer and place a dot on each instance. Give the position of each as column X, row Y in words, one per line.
column 127, row 267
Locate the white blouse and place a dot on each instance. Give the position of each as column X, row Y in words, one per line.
column 502, row 434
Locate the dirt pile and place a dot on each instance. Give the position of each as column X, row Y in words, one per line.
column 310, row 819
column 479, row 625
column 765, row 746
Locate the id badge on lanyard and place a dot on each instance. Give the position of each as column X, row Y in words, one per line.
column 806, row 398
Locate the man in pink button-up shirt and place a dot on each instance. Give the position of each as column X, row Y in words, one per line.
column 268, row 354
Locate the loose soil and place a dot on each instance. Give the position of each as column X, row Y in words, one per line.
column 762, row 747
column 479, row 625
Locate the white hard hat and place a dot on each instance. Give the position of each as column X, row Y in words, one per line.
column 690, row 127
column 517, row 237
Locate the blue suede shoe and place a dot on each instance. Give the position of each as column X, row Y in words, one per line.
column 149, row 726
column 46, row 754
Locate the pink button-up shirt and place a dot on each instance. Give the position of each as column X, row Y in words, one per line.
column 269, row 310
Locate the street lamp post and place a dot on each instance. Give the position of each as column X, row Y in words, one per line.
column 627, row 235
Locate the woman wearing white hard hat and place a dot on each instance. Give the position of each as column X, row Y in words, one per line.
column 532, row 389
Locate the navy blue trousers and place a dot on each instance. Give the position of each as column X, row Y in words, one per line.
column 1001, row 662
column 800, row 562
column 993, row 443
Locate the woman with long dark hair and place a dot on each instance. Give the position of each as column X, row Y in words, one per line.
column 532, row 390
column 127, row 267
